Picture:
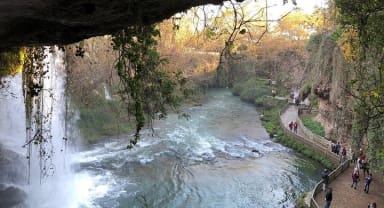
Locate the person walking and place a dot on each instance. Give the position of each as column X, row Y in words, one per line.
column 343, row 155
column 354, row 157
column 290, row 125
column 295, row 127
column 355, row 177
column 368, row 181
column 328, row 198
column 325, row 177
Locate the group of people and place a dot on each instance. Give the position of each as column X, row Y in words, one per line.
column 336, row 147
column 360, row 163
column 293, row 126
column 342, row 152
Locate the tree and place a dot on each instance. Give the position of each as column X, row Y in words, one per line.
column 234, row 21
column 363, row 19
column 237, row 25
column 296, row 26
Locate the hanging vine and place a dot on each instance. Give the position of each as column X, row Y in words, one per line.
column 38, row 113
column 147, row 90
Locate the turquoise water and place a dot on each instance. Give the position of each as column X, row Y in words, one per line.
column 206, row 161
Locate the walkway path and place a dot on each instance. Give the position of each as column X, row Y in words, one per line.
column 291, row 114
column 346, row 197
column 343, row 195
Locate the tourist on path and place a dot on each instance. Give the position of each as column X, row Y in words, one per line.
column 328, row 198
column 368, row 181
column 325, row 177
column 355, row 177
column 295, row 127
column 343, row 155
column 337, row 149
column 290, row 125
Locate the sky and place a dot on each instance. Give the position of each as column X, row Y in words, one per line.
column 306, row 5
column 276, row 8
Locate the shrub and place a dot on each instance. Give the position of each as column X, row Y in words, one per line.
column 102, row 118
column 300, row 202
column 312, row 125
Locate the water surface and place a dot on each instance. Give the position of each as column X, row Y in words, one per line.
column 220, row 157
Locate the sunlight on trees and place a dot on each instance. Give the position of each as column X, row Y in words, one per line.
column 235, row 30
column 295, row 26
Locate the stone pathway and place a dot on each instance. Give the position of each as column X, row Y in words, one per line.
column 343, row 195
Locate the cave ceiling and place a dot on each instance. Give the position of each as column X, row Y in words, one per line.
column 48, row 22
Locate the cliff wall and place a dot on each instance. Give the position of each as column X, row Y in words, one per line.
column 326, row 73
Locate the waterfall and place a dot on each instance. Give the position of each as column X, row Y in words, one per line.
column 106, row 92
column 13, row 163
column 47, row 153
column 49, row 181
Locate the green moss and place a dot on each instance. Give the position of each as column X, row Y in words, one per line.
column 268, row 103
column 11, row 61
column 314, row 41
column 304, row 150
column 253, row 89
column 313, row 99
column 336, row 35
column 101, row 118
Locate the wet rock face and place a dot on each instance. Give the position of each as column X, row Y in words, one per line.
column 13, row 167
column 41, row 22
column 11, row 196
column 12, row 176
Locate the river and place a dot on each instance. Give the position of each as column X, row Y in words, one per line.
column 220, row 157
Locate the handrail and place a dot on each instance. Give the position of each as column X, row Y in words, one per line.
column 310, row 143
column 331, row 177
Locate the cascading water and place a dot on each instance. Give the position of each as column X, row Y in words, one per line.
column 106, row 92
column 221, row 157
column 43, row 159
column 13, row 164
column 48, row 169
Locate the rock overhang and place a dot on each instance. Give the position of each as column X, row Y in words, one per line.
column 48, row 22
